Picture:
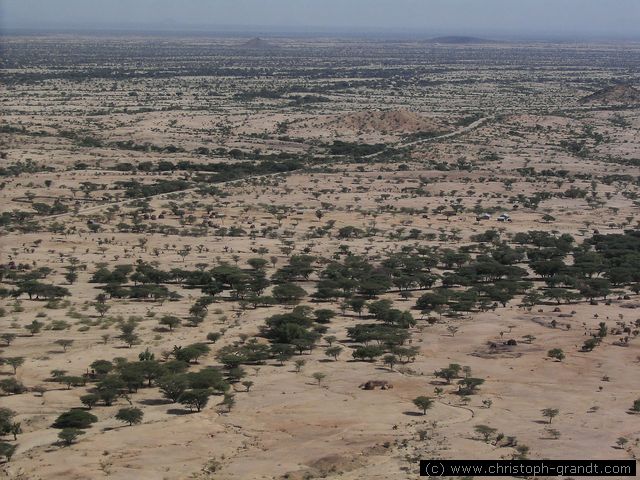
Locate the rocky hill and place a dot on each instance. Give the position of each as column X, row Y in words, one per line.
column 619, row 94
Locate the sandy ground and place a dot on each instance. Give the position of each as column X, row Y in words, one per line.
column 288, row 426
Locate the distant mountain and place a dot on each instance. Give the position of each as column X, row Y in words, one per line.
column 258, row 44
column 391, row 121
column 459, row 40
column 621, row 93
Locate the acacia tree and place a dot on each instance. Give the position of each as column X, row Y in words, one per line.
column 69, row 435
column 213, row 337
column 288, row 293
column 390, row 360
column 550, row 413
column 14, row 362
column 64, row 343
column 590, row 343
column 39, row 389
column 128, row 334
column 247, row 384
column 448, row 373
column 34, row 327
column 324, row 315
column 170, row 321
column 330, row 339
column 102, row 309
column 556, row 353
column 15, row 429
column 173, row 386
column 130, row 415
column 423, row 403
column 486, row 431
column 75, row 419
column 299, row 364
column 90, row 399
column 469, row 385
column 71, row 276
column 333, row 352
column 196, row 398
column 319, row 376
column 7, row 450
column 229, row 400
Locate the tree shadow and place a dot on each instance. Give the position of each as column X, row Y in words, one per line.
column 439, row 382
column 155, row 401
column 179, row 411
column 413, row 414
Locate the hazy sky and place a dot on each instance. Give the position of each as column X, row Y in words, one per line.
column 558, row 17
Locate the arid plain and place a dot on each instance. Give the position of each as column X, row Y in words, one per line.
column 220, row 241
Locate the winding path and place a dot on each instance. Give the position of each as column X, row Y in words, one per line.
column 467, row 409
column 94, row 208
column 472, row 126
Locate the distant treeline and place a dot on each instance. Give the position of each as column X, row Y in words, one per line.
column 224, row 172
column 355, row 149
column 273, row 165
column 28, row 166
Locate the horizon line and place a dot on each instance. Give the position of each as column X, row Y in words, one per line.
column 143, row 29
